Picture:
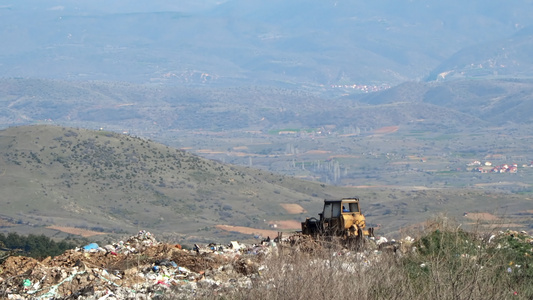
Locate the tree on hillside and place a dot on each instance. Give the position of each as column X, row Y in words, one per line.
column 37, row 246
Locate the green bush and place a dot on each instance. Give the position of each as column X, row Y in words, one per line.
column 36, row 246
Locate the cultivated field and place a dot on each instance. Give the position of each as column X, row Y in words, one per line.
column 76, row 231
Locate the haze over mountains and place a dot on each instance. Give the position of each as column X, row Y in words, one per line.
column 317, row 43
column 389, row 100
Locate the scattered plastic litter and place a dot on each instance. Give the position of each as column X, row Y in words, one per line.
column 143, row 268
column 91, row 247
column 139, row 267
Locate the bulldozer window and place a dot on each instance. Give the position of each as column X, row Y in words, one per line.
column 327, row 211
column 354, row 207
column 336, row 210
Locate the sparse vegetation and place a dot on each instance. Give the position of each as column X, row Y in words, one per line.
column 444, row 263
column 121, row 181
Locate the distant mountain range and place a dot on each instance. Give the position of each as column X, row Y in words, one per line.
column 285, row 43
column 505, row 58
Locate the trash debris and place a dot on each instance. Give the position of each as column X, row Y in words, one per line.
column 91, row 247
column 143, row 268
column 381, row 240
column 139, row 267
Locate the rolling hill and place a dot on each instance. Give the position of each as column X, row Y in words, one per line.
column 503, row 58
column 109, row 182
column 112, row 183
column 496, row 102
column 154, row 111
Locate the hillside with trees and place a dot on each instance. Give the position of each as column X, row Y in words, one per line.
column 60, row 179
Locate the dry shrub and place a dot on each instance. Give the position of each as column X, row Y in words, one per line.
column 448, row 263
column 327, row 273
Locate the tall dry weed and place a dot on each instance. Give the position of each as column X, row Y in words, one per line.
column 445, row 262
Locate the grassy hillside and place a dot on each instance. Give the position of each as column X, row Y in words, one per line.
column 105, row 181
column 109, row 182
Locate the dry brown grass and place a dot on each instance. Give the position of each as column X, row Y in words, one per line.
column 448, row 264
column 293, row 208
column 319, row 152
column 76, row 231
column 249, row 230
column 385, row 130
column 287, row 224
column 6, row 223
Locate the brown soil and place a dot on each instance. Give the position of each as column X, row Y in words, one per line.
column 76, row 231
column 6, row 223
column 385, row 130
column 404, row 187
column 249, row 230
column 482, row 216
column 343, row 156
column 317, row 152
column 505, row 226
column 367, row 186
column 292, row 208
column 287, row 224
column 501, row 183
column 207, row 151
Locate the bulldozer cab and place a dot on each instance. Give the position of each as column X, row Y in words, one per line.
column 338, row 215
column 334, row 208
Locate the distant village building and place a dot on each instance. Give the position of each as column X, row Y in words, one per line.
column 504, row 168
column 286, row 132
column 480, row 170
column 474, row 163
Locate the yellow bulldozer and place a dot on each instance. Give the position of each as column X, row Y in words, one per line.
column 339, row 218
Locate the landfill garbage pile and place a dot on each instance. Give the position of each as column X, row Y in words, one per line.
column 140, row 268
column 143, row 268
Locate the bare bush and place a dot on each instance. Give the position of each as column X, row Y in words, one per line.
column 444, row 263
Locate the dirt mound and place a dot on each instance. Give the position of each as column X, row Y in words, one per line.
column 18, row 265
